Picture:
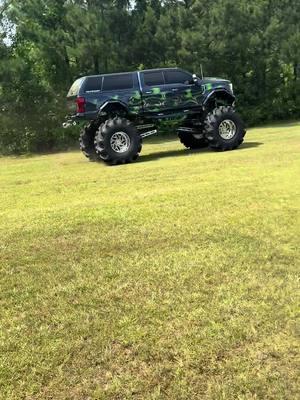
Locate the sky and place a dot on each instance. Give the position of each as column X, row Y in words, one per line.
column 7, row 28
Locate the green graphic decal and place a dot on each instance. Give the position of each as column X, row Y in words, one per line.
column 155, row 100
column 137, row 95
column 135, row 102
column 135, row 109
column 156, row 90
column 188, row 94
column 168, row 99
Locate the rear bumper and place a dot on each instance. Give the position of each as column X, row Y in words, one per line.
column 69, row 123
column 75, row 119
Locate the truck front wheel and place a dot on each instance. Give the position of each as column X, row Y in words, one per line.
column 191, row 137
column 224, row 129
column 192, row 141
column 117, row 141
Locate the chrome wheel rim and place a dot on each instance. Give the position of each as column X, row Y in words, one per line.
column 120, row 142
column 227, row 129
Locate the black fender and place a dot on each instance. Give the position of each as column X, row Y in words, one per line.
column 113, row 106
column 221, row 94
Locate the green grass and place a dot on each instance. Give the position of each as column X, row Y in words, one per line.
column 171, row 278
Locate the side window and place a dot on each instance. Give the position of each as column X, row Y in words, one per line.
column 154, row 78
column 177, row 77
column 74, row 90
column 117, row 82
column 94, row 83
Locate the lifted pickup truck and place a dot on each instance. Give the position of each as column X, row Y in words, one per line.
column 124, row 108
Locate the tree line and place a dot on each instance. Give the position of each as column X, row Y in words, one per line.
column 46, row 44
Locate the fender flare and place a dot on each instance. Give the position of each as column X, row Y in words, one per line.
column 109, row 104
column 219, row 92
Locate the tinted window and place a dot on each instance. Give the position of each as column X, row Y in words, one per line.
column 177, row 77
column 118, row 82
column 154, row 78
column 93, row 83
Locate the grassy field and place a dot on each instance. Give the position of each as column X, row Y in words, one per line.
column 171, row 278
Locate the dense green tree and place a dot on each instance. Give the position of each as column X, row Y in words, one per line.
column 145, row 48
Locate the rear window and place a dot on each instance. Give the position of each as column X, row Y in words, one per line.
column 74, row 90
column 154, row 78
column 94, row 83
column 177, row 77
column 118, row 82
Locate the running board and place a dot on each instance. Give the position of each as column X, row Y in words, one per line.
column 186, row 129
column 145, row 126
column 148, row 133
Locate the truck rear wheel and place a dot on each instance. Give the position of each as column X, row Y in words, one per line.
column 86, row 141
column 117, row 141
column 224, row 129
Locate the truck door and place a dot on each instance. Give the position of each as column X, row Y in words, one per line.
column 153, row 90
column 185, row 93
column 168, row 90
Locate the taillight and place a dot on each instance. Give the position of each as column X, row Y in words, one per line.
column 80, row 102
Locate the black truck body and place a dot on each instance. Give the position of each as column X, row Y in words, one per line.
column 137, row 101
column 155, row 93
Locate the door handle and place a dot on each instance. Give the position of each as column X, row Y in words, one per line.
column 174, row 90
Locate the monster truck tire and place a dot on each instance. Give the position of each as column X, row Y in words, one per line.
column 86, row 141
column 224, row 129
column 190, row 141
column 117, row 141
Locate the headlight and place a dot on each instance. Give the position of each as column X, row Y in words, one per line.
column 231, row 87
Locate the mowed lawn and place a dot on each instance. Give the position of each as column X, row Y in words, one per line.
column 171, row 278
